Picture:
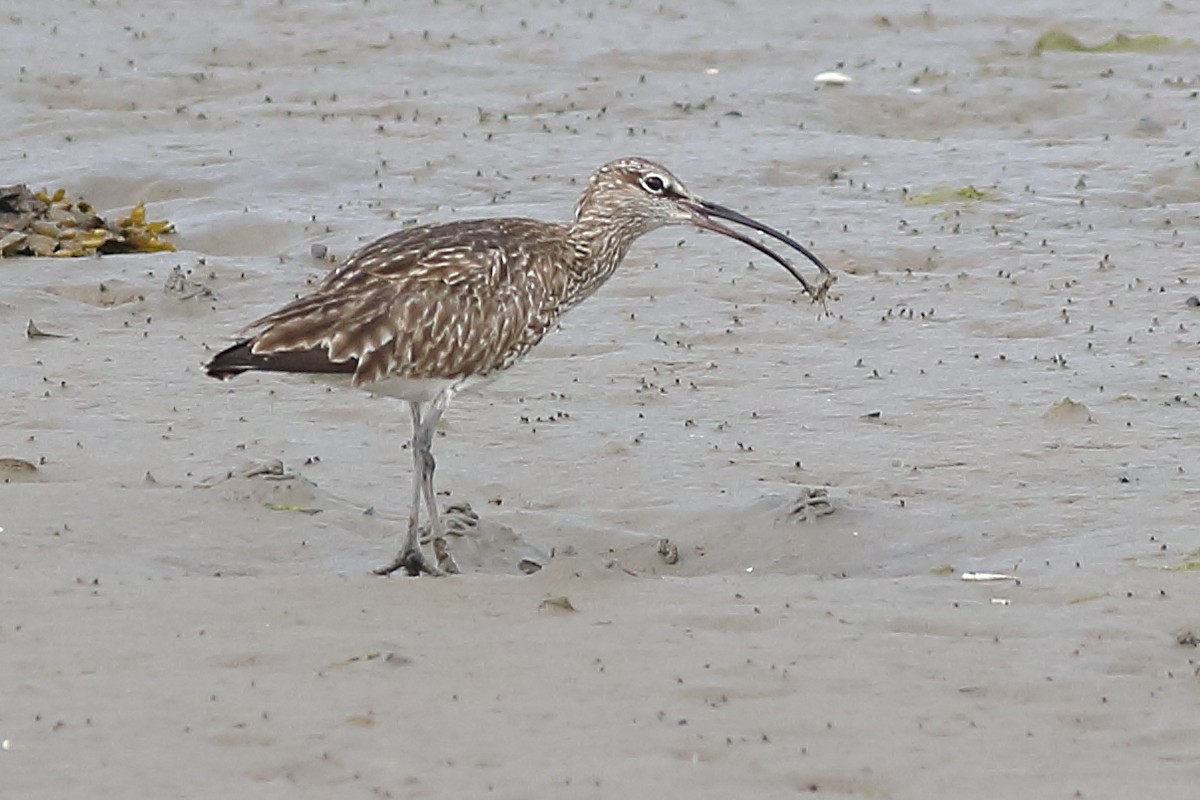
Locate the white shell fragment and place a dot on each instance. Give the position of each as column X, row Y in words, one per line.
column 833, row 79
column 1001, row 601
column 987, row 576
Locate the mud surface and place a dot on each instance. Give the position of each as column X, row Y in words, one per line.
column 1009, row 385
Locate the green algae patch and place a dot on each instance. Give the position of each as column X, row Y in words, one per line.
column 292, row 507
column 950, row 194
column 1120, row 43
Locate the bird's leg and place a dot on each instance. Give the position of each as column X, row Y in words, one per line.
column 428, row 428
column 410, row 558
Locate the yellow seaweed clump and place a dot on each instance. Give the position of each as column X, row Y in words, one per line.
column 44, row 224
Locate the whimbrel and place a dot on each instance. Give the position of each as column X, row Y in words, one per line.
column 424, row 313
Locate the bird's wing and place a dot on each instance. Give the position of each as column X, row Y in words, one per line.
column 441, row 301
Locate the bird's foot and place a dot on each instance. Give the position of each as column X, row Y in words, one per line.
column 413, row 562
column 445, row 561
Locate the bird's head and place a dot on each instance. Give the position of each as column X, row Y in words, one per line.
column 633, row 196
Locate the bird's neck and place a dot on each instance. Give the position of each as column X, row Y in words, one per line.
column 599, row 245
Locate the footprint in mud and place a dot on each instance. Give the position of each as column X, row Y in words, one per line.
column 102, row 295
column 808, row 506
column 481, row 545
column 18, row 470
column 477, row 545
column 269, row 484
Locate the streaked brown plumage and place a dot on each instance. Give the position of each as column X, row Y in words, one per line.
column 424, row 312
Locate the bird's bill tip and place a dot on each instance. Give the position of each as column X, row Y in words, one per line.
column 705, row 215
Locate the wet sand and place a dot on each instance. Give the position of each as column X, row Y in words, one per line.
column 178, row 623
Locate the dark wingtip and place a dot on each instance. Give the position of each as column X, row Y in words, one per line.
column 233, row 361
column 230, row 362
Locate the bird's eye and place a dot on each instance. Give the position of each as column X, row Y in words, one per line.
column 654, row 184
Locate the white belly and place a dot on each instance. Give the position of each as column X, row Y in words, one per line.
column 422, row 390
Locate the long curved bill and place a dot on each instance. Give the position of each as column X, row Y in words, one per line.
column 705, row 215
